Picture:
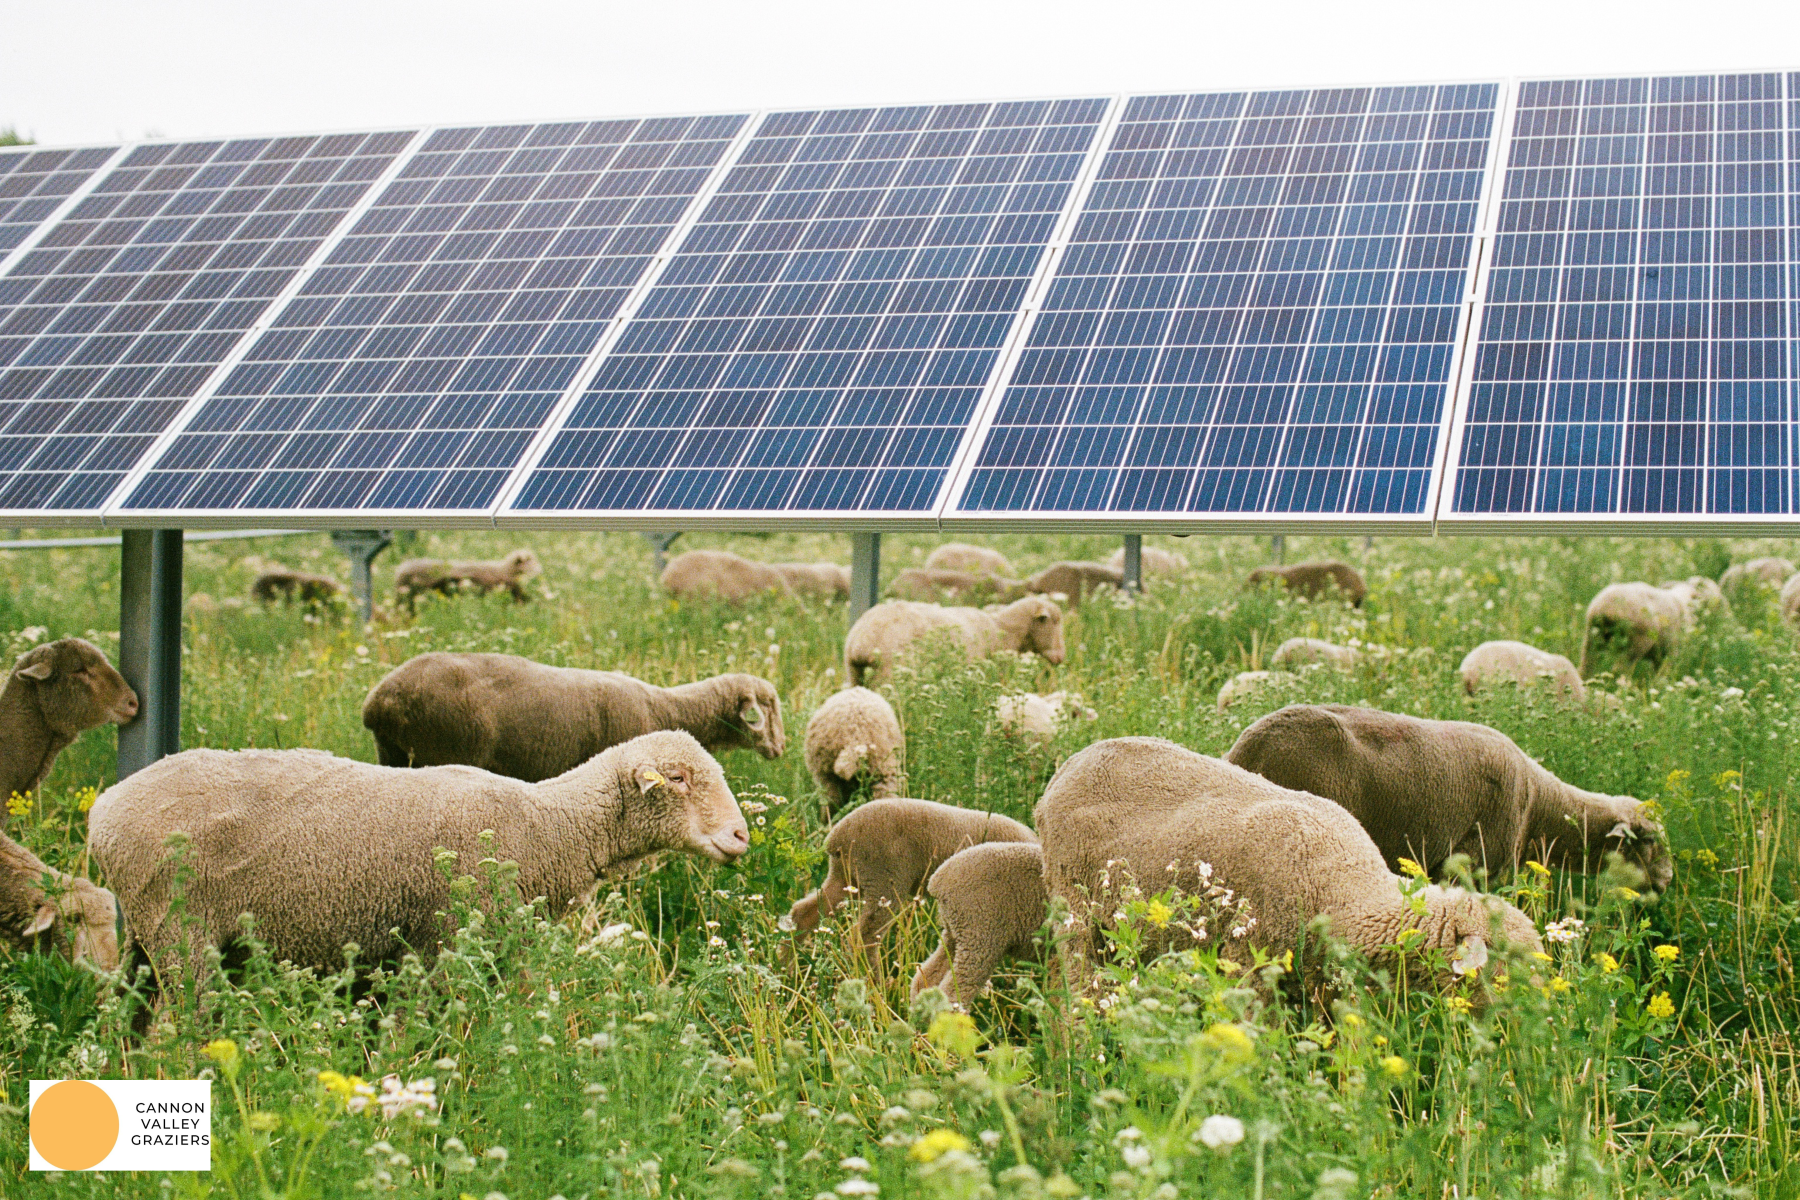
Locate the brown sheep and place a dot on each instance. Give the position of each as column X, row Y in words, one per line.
column 55, row 692
column 932, row 585
column 79, row 917
column 1075, row 580
column 1315, row 579
column 975, row 560
column 530, row 721
column 720, row 574
column 882, row 634
column 991, row 905
column 417, row 576
column 287, row 585
column 1428, row 789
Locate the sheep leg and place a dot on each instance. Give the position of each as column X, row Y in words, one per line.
column 931, row 972
column 390, row 754
column 975, row 963
column 869, row 927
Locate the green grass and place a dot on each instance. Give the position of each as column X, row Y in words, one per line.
column 712, row 1056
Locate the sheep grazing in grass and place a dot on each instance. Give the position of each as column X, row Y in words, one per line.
column 1299, row 652
column 932, row 584
column 1425, row 790
column 1790, row 601
column 1151, row 561
column 1145, row 812
column 722, row 575
column 976, row 560
column 80, row 918
column 1700, row 594
column 1315, row 580
column 1527, row 666
column 1037, row 718
column 815, row 579
column 884, row 852
column 1766, row 574
column 324, row 851
column 852, row 736
column 1640, row 621
column 530, row 721
column 54, row 693
column 882, row 635
column 991, row 905
column 287, row 585
column 1241, row 685
column 416, row 576
column 1074, row 580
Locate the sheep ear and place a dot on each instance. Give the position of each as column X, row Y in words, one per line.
column 751, row 714
column 648, row 777
column 1471, row 955
column 40, row 670
column 1624, row 832
column 41, row 923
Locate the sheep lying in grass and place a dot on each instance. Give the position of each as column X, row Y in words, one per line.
column 881, row 635
column 815, row 579
column 1527, row 666
column 1037, row 718
column 884, row 852
column 976, row 560
column 79, row 917
column 53, row 694
column 1243, row 684
column 1644, row 622
column 1428, row 789
column 516, row 717
column 1315, row 579
column 1152, row 561
column 855, row 735
column 324, row 851
column 934, row 584
column 1074, row 580
column 1767, row 574
column 287, row 585
column 991, row 904
column 1299, row 652
column 720, row 574
column 1149, row 813
column 416, row 576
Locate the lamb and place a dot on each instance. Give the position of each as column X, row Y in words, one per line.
column 1151, row 561
column 516, row 717
column 1241, row 685
column 1299, row 652
column 815, row 579
column 1074, row 580
column 55, row 692
column 1525, row 665
column 78, row 916
column 1760, row 573
column 1147, row 812
column 884, row 852
column 1315, row 579
column 932, row 585
column 287, row 584
column 416, row 576
column 1649, row 620
column 976, row 560
column 324, row 851
column 1037, row 718
column 1425, row 790
column 880, row 636
column 855, row 734
column 720, row 574
column 991, row 904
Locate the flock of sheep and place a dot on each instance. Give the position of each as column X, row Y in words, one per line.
column 575, row 775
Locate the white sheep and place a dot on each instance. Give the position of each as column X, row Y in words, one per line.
column 1762, row 573
column 78, row 916
column 882, row 634
column 1299, row 652
column 1241, row 685
column 976, row 560
column 1036, row 718
column 816, row 579
column 706, row 574
column 854, row 735
column 1649, row 621
column 991, row 905
column 1524, row 665
column 1790, row 601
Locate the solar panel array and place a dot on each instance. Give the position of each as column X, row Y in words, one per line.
column 33, row 183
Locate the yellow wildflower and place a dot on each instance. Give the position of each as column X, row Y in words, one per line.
column 1158, row 914
column 936, row 1144
column 1608, row 964
column 1660, row 1006
column 1541, row 956
column 265, row 1122
column 1667, row 953
column 1559, row 985
column 954, row 1033
column 1380, row 1040
column 1458, row 1004
column 223, row 1051
column 1394, row 1065
column 1706, row 858
column 1232, row 1043
column 84, row 799
column 1625, row 893
column 1537, row 868
column 18, row 805
column 1412, row 868
column 1353, row 1020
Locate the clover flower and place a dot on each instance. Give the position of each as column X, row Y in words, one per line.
column 1219, row 1132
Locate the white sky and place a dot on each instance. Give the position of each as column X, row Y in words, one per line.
column 74, row 71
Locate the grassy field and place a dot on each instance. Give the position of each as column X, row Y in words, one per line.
column 701, row 1052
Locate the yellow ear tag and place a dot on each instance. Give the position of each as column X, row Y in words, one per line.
column 649, row 777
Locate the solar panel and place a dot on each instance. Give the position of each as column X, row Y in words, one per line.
column 411, row 371
column 33, row 183
column 822, row 337
column 125, row 307
column 1257, row 315
column 1634, row 362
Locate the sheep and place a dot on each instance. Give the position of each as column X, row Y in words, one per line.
column 815, row 579
column 883, row 633
column 1151, row 561
column 1649, row 620
column 1425, row 790
column 1790, row 601
column 1241, row 685
column 855, row 734
column 1759, row 573
column 884, row 852
column 516, row 717
column 1299, row 652
column 324, row 851
column 976, row 560
column 1315, row 579
column 933, row 584
column 991, row 904
column 1037, row 718
column 1700, row 594
column 79, row 916
column 1074, row 580
column 416, row 576
column 707, row 574
column 1524, row 665
column 1146, row 812
column 287, row 584
column 54, row 693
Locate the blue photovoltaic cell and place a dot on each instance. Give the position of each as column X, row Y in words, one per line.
column 34, row 182
column 824, row 334
column 416, row 364
column 125, row 307
column 1257, row 311
column 1634, row 351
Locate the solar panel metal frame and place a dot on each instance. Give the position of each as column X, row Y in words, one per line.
column 67, row 203
column 1607, row 524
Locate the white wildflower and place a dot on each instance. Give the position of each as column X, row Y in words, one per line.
column 1219, row 1132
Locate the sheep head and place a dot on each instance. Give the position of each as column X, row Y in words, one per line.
column 1638, row 839
column 523, row 564
column 1472, row 928
column 676, row 798
column 850, row 762
column 1043, row 626
column 89, row 914
column 76, row 688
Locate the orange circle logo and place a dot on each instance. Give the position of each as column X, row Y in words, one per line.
column 74, row 1125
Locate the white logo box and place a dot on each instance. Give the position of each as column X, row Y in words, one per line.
column 164, row 1124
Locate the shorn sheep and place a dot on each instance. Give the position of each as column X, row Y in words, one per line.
column 1425, row 790
column 881, row 635
column 854, row 736
column 1149, row 813
column 976, row 560
column 416, row 576
column 721, row 575
column 516, row 717
column 1315, row 580
column 323, row 851
column 1641, row 622
column 54, row 693
column 78, row 917
column 1527, row 666
column 991, row 905
column 1075, row 580
column 288, row 585
column 931, row 584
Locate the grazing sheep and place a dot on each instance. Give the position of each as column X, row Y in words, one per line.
column 976, row 560
column 1151, row 561
column 932, row 585
column 1790, row 601
column 1299, row 652
column 1147, row 812
column 1074, row 580
column 1524, row 665
column 1650, row 621
column 882, row 634
column 1037, row 718
column 324, row 851
column 852, row 735
column 1759, row 573
column 416, row 576
column 720, row 574
column 991, row 904
column 885, row 852
column 815, row 579
column 1315, row 579
column 54, row 693
column 287, row 585
column 516, row 717
column 1428, row 789
column 1241, row 685
column 79, row 917
column 1700, row 594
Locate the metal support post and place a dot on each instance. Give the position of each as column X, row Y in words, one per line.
column 362, row 545
column 1134, row 562
column 865, row 573
column 659, row 546
column 1278, row 544
column 150, row 644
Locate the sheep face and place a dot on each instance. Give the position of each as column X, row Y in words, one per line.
column 76, row 687
column 681, row 800
column 523, row 564
column 91, row 913
column 1639, row 841
column 759, row 710
column 1045, row 634
column 1475, row 927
